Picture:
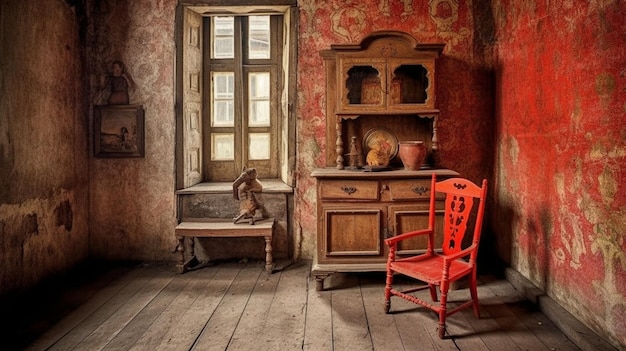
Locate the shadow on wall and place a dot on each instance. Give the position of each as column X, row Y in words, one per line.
column 466, row 131
column 496, row 248
column 518, row 241
column 466, row 124
column 537, row 228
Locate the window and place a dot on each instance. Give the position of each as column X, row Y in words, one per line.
column 234, row 93
column 242, row 71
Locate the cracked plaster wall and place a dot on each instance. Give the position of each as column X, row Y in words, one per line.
column 132, row 202
column 560, row 179
column 43, row 143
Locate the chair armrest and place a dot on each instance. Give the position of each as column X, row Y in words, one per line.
column 394, row 239
column 449, row 258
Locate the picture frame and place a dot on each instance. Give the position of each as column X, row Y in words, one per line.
column 119, row 131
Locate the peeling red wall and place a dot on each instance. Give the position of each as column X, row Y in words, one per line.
column 561, row 194
column 464, row 81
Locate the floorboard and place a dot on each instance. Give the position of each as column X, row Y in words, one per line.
column 93, row 302
column 160, row 315
column 253, row 325
column 99, row 317
column 318, row 327
column 350, row 330
column 124, row 315
column 238, row 306
column 383, row 330
column 284, row 324
column 219, row 329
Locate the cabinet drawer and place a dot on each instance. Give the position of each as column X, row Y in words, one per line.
column 409, row 189
column 349, row 190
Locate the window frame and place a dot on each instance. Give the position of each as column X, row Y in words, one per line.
column 284, row 129
column 242, row 65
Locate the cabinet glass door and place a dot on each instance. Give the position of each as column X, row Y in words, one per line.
column 411, row 84
column 362, row 85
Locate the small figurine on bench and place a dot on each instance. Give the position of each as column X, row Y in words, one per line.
column 244, row 189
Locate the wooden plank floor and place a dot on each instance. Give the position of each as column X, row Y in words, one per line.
column 237, row 306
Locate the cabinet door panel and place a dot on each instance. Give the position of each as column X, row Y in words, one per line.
column 353, row 232
column 408, row 218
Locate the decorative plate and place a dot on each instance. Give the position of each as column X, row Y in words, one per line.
column 381, row 138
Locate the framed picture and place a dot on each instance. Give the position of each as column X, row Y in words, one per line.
column 119, row 131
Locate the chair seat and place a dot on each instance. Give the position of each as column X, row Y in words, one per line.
column 429, row 268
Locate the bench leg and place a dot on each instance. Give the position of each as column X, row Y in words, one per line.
column 192, row 247
column 180, row 248
column 183, row 266
column 268, row 254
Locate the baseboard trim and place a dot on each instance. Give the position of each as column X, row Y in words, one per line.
column 575, row 330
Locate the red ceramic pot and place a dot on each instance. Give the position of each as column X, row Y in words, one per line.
column 412, row 153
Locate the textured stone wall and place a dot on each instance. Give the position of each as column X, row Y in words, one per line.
column 43, row 142
column 560, row 181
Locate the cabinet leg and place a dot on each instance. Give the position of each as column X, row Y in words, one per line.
column 319, row 281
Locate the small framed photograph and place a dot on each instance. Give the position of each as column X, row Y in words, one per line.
column 119, row 131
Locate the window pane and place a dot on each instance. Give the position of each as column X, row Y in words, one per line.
column 259, row 146
column 222, row 146
column 259, row 37
column 259, row 95
column 223, row 99
column 223, row 37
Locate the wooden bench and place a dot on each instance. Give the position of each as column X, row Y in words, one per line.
column 221, row 228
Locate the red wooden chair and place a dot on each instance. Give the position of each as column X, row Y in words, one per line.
column 440, row 268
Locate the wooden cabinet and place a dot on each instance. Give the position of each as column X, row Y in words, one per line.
column 386, row 80
column 358, row 210
column 380, row 92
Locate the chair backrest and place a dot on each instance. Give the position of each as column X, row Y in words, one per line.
column 460, row 197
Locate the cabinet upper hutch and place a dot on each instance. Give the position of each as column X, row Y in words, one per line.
column 388, row 75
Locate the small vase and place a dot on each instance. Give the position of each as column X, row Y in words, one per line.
column 412, row 153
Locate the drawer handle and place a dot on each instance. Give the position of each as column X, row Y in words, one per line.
column 348, row 189
column 420, row 190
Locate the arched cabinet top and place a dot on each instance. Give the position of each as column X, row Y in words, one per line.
column 385, row 37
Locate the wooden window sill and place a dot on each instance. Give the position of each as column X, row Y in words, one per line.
column 269, row 186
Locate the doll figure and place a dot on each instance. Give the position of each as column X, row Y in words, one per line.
column 119, row 83
column 244, row 189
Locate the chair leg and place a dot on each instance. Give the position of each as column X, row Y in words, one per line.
column 443, row 310
column 474, row 293
column 433, row 292
column 388, row 283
